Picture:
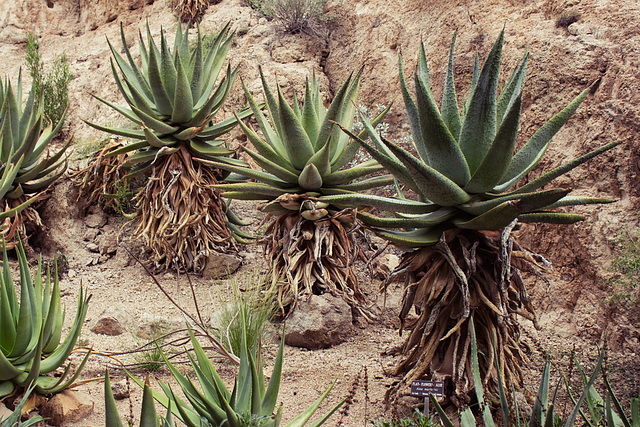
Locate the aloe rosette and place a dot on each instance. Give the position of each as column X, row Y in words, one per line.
column 31, row 344
column 462, row 260
column 304, row 156
column 251, row 402
column 172, row 98
column 25, row 170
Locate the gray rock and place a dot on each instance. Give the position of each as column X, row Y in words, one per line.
column 120, row 390
column 93, row 247
column 322, row 321
column 220, row 266
column 112, row 321
column 67, row 407
column 107, row 244
column 385, row 265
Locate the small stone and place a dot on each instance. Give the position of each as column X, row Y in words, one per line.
column 120, row 390
column 90, row 234
column 4, row 412
column 93, row 247
column 72, row 273
column 386, row 264
column 95, row 220
column 112, row 322
column 67, row 407
column 220, row 266
column 150, row 326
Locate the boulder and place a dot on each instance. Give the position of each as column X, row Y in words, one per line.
column 66, row 408
column 112, row 322
column 320, row 322
column 220, row 266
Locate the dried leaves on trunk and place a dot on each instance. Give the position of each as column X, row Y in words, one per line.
column 466, row 275
column 312, row 257
column 182, row 218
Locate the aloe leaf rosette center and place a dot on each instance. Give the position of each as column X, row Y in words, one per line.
column 461, row 258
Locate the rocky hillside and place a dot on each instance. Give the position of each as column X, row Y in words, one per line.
column 601, row 48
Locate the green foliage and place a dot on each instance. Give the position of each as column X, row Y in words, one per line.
column 467, row 162
column 172, row 99
column 148, row 415
column 54, row 84
column 602, row 412
column 150, row 357
column 24, row 138
column 13, row 420
column 30, row 343
column 417, row 420
column 228, row 324
column 303, row 153
column 252, row 401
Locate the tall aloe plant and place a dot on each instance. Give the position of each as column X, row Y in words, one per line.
column 25, row 171
column 304, row 156
column 172, row 98
column 31, row 344
column 462, row 260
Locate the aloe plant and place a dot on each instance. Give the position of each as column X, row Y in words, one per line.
column 305, row 156
column 25, row 172
column 461, row 253
column 252, row 402
column 148, row 415
column 13, row 420
column 172, row 99
column 31, row 344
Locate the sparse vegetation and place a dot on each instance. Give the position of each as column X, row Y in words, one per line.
column 54, row 84
column 417, row 420
column 250, row 306
column 189, row 11
column 298, row 16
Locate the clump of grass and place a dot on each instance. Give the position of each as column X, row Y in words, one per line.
column 227, row 322
column 298, row 16
column 149, row 356
column 54, row 84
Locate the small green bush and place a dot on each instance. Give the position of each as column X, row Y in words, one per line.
column 228, row 321
column 55, row 83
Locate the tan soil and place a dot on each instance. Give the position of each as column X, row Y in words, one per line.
column 575, row 310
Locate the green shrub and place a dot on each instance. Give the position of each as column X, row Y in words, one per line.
column 227, row 322
column 55, row 83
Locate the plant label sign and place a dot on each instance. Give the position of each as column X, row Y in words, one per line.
column 424, row 388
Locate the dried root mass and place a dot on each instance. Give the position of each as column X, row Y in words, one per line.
column 468, row 274
column 182, row 219
column 312, row 257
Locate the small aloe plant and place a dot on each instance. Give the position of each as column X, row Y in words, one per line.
column 30, row 342
column 148, row 414
column 25, row 135
column 543, row 413
column 13, row 420
column 252, row 402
